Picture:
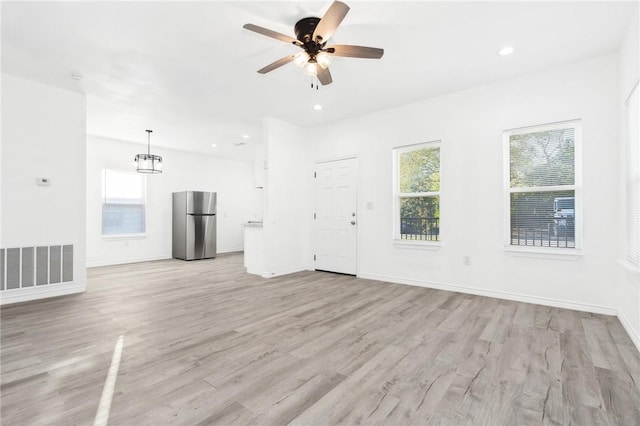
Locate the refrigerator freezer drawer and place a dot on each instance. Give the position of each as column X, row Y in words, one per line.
column 201, row 237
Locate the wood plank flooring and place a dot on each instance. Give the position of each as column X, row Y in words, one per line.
column 205, row 343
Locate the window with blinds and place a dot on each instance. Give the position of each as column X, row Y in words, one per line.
column 543, row 179
column 123, row 203
column 417, row 192
column 632, row 119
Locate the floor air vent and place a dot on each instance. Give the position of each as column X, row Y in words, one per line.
column 35, row 266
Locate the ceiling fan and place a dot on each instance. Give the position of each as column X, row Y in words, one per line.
column 312, row 35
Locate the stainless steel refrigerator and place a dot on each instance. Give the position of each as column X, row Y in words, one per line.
column 194, row 225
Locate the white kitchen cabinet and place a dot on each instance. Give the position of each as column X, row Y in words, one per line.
column 260, row 165
column 253, row 248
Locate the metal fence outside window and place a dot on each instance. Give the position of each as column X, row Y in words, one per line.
column 420, row 228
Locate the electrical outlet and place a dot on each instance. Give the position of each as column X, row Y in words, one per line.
column 466, row 260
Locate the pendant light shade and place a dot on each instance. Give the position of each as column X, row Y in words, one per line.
column 148, row 163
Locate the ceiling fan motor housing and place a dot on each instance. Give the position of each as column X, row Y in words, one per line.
column 304, row 29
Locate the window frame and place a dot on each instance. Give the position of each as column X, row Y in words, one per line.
column 397, row 195
column 631, row 183
column 132, row 236
column 576, row 124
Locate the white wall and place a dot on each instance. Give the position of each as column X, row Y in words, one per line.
column 43, row 135
column 628, row 281
column 470, row 126
column 287, row 211
column 232, row 180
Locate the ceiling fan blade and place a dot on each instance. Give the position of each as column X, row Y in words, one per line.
column 324, row 76
column 269, row 33
column 355, row 51
column 277, row 64
column 330, row 21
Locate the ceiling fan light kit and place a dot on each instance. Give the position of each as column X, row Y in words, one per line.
column 312, row 35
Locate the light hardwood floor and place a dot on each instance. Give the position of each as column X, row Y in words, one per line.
column 205, row 343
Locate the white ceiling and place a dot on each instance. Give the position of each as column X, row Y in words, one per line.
column 187, row 70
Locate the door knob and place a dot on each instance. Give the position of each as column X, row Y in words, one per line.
column 353, row 222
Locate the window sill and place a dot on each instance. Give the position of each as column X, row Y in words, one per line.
column 125, row 237
column 545, row 253
column 419, row 245
column 630, row 266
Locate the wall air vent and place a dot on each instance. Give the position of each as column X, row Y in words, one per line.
column 23, row 267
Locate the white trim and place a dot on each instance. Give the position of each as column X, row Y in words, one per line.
column 417, row 244
column 555, row 188
column 330, row 160
column 281, row 272
column 418, row 194
column 576, row 124
column 558, row 253
column 635, row 336
column 635, row 87
column 631, row 178
column 114, row 262
column 115, row 237
column 100, row 263
column 545, row 301
column 40, row 292
column 546, row 126
column 630, row 266
column 397, row 195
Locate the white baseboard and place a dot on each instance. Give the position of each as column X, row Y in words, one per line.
column 99, row 263
column 556, row 303
column 635, row 337
column 283, row 272
column 40, row 292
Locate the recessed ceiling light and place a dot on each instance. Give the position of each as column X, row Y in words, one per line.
column 214, row 145
column 507, row 50
column 317, row 107
column 245, row 136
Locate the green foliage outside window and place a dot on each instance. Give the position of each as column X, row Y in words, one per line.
column 419, row 174
column 420, row 170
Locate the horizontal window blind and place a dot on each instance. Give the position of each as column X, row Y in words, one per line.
column 542, row 186
column 633, row 176
column 545, row 158
column 123, row 207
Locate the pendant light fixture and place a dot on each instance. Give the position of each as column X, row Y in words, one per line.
column 148, row 163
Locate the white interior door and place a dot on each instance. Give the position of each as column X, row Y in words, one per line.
column 336, row 216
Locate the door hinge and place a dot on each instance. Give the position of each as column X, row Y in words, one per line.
column 314, row 215
column 314, row 174
column 314, row 257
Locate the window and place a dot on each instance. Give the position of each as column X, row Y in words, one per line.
column 543, row 183
column 123, row 203
column 632, row 107
column 417, row 192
